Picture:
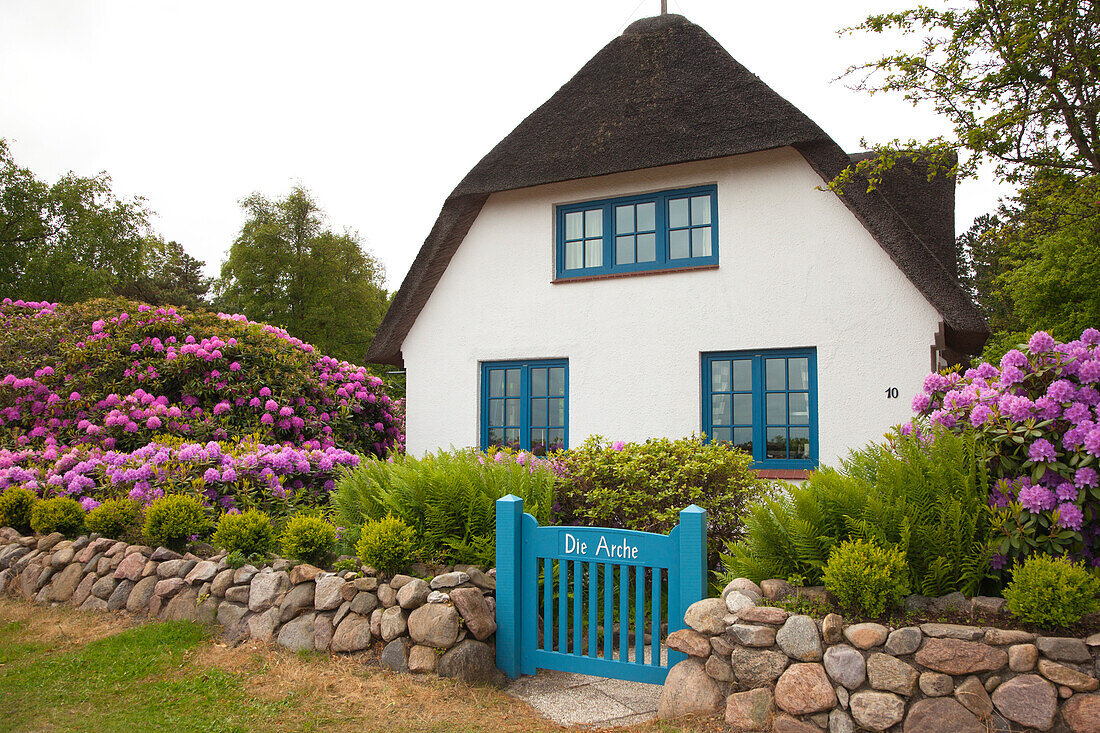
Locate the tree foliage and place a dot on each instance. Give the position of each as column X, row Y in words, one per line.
column 75, row 240
column 1016, row 79
column 287, row 269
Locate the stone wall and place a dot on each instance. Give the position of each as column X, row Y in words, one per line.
column 768, row 669
column 444, row 625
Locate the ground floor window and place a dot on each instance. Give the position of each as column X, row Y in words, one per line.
column 764, row 402
column 525, row 405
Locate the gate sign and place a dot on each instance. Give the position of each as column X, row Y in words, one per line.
column 571, row 598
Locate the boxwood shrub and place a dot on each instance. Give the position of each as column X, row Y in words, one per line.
column 59, row 514
column 15, row 508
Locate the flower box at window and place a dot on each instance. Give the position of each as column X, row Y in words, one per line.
column 654, row 231
column 525, row 405
column 764, row 403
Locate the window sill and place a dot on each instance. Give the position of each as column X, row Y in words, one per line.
column 783, row 473
column 615, row 275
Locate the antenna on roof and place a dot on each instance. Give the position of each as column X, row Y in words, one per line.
column 664, row 7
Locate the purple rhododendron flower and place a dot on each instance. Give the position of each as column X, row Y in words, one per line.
column 1070, row 516
column 1039, row 342
column 1015, row 358
column 1092, row 442
column 1061, row 391
column 921, row 402
column 1042, row 450
column 1066, row 491
column 1090, row 336
column 1036, row 499
column 980, row 414
column 1085, row 477
column 618, row 445
column 88, row 504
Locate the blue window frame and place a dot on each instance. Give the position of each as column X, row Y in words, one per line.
column 764, row 402
column 525, row 405
column 653, row 231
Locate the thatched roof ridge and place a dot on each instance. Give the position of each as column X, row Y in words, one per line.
column 663, row 92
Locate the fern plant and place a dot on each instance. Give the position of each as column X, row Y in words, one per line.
column 448, row 498
column 926, row 498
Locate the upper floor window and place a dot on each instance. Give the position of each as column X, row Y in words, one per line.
column 765, row 403
column 525, row 405
column 654, row 231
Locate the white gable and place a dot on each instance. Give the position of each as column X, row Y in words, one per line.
column 796, row 270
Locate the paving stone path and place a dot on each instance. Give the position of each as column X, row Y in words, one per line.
column 568, row 698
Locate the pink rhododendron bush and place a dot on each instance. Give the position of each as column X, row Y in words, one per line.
column 112, row 398
column 1039, row 416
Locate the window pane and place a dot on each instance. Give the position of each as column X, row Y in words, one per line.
column 774, row 376
column 647, row 248
column 647, row 217
column 720, row 435
column 777, row 408
column 742, row 409
column 513, row 382
column 624, row 219
column 538, row 441
column 496, row 436
column 777, row 443
column 624, row 250
column 538, row 412
column 799, row 408
column 496, row 412
column 557, row 381
column 574, row 225
column 800, row 443
column 511, row 412
column 593, row 252
column 496, row 383
column 700, row 242
column 593, row 223
column 678, row 244
column 742, row 438
column 700, row 210
column 720, row 409
column 556, row 439
column 799, row 373
column 574, row 255
column 557, row 412
column 538, row 382
column 511, row 438
column 719, row 376
column 678, row 213
column 742, row 375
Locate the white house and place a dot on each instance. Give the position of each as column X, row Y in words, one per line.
column 651, row 253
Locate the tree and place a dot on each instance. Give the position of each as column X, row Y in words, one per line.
column 171, row 276
column 286, row 268
column 68, row 241
column 1019, row 81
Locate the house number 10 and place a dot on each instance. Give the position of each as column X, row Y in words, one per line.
column 891, row 393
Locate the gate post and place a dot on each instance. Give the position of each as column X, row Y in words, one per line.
column 509, row 523
column 693, row 561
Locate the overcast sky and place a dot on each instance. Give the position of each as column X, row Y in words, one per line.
column 379, row 108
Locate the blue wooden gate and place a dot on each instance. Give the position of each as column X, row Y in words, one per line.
column 560, row 591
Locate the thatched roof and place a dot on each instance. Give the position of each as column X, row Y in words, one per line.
column 666, row 92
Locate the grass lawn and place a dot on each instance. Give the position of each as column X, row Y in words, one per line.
column 66, row 670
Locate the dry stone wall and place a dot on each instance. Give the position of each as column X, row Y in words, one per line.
column 444, row 625
column 768, row 669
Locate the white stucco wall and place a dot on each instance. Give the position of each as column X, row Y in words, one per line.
column 796, row 270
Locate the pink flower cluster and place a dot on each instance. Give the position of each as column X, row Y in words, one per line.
column 1040, row 413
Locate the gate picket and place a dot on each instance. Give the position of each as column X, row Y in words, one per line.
column 582, row 551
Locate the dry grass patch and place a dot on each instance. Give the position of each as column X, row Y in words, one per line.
column 59, row 626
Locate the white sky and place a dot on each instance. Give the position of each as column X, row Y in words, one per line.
column 379, row 108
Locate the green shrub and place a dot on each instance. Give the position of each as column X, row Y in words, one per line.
column 114, row 518
column 643, row 486
column 866, row 577
column 927, row 497
column 15, row 508
column 388, row 544
column 59, row 514
column 448, row 498
column 248, row 532
column 174, row 519
column 1054, row 591
column 309, row 538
